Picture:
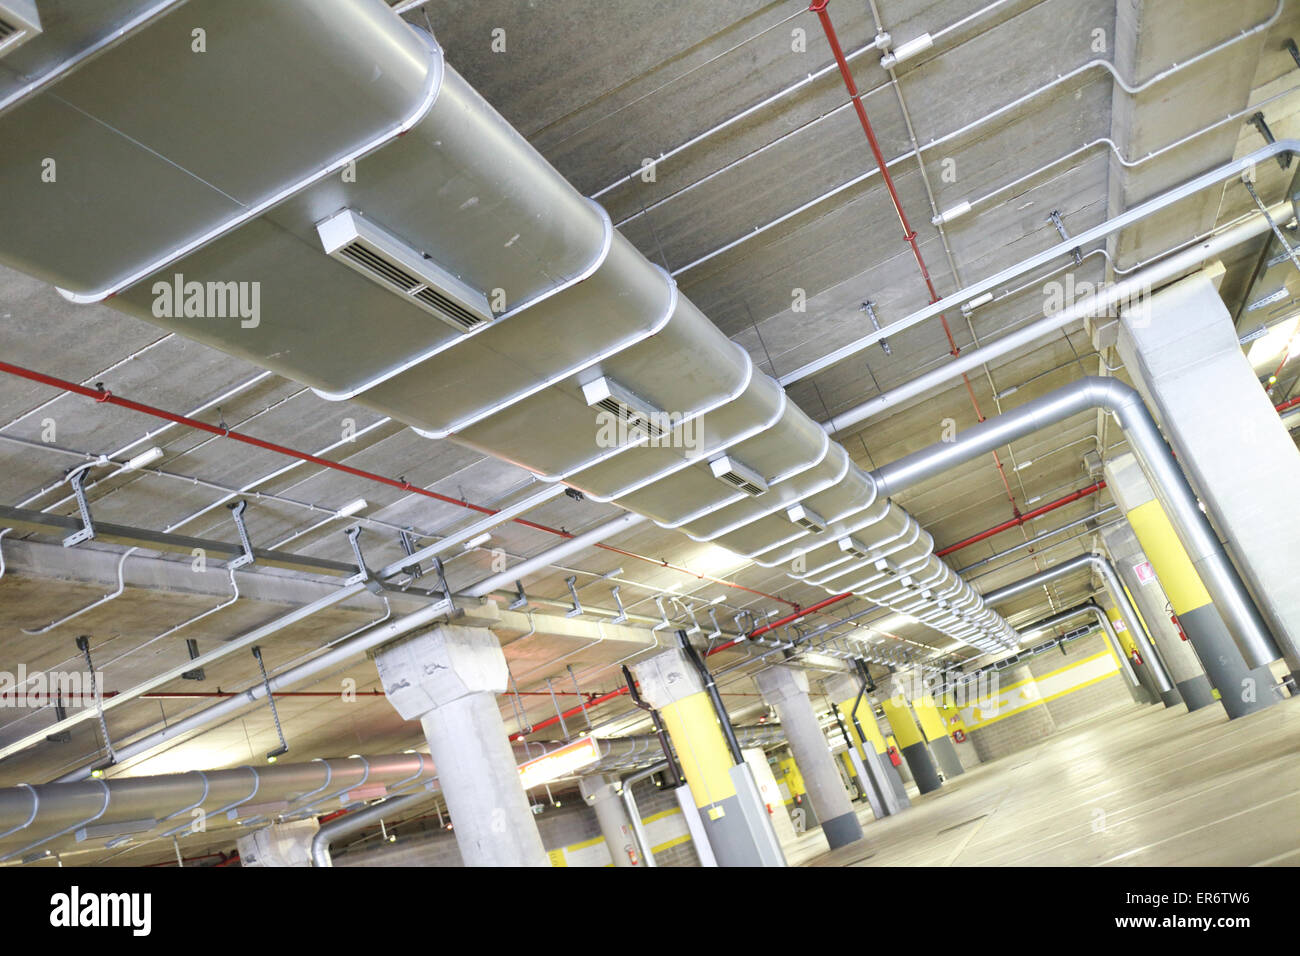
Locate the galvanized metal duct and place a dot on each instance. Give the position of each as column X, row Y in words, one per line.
column 1106, row 571
column 501, row 308
column 1171, row 486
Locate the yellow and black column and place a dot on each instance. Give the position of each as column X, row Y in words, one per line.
column 1242, row 690
column 865, row 737
column 910, row 741
column 1145, row 691
column 734, row 816
column 936, row 733
column 799, row 802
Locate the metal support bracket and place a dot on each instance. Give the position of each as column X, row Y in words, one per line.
column 621, row 617
column 363, row 576
column 408, row 545
column 87, row 531
column 521, row 599
column 870, row 308
column 234, row 564
column 1257, row 120
column 1055, row 219
column 442, row 583
column 192, row 646
column 576, row 610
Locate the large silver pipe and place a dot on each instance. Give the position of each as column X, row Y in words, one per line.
column 1100, row 303
column 1096, row 611
column 1106, row 571
column 1175, row 494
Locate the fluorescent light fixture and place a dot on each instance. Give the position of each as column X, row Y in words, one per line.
column 144, row 459
column 351, row 508
column 1269, row 347
column 478, row 542
column 562, row 762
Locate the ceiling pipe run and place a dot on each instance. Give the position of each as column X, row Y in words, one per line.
column 1106, row 571
column 1197, row 537
column 1022, row 519
column 358, row 820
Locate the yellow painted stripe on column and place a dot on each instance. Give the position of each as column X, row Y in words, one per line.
column 793, row 778
column 931, row 721
column 1121, row 630
column 701, row 747
column 1173, row 567
column 868, row 721
column 900, row 720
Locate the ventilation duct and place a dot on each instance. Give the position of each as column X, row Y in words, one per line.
column 19, row 22
column 384, row 259
column 343, row 84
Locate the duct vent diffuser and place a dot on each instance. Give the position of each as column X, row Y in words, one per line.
column 806, row 518
column 19, row 22
column 634, row 411
column 388, row 261
column 854, row 547
column 734, row 473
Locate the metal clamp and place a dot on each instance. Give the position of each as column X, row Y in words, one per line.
column 870, row 308
column 521, row 599
column 576, row 610
column 363, row 576
column 237, row 510
column 407, row 540
column 621, row 617
column 1055, row 219
column 87, row 531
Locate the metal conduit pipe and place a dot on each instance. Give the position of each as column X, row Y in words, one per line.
column 1094, row 609
column 1197, row 537
column 1110, row 578
column 1037, row 539
column 359, row 820
column 561, row 551
column 1129, row 217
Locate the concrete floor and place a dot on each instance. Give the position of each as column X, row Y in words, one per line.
column 1137, row 786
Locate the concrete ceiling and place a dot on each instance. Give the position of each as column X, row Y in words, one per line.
column 599, row 87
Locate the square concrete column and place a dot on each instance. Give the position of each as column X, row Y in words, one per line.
column 786, row 689
column 1242, row 690
column 1138, row 575
column 1181, row 348
column 911, row 744
column 739, row 829
column 867, row 743
column 604, row 796
column 448, row 679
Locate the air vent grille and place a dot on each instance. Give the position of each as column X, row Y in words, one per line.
column 390, row 262
column 854, row 547
column 634, row 412
column 19, row 22
column 738, row 475
column 807, row 519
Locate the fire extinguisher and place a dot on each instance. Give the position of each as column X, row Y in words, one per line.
column 894, row 758
column 959, row 735
column 1137, row 658
column 1181, row 633
column 632, row 856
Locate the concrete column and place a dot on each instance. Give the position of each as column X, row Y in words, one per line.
column 448, row 678
column 868, row 743
column 738, row 827
column 1145, row 691
column 1181, row 348
column 910, row 742
column 786, row 689
column 1242, row 690
column 1139, row 576
column 802, row 813
column 602, row 794
column 952, row 720
column 936, row 734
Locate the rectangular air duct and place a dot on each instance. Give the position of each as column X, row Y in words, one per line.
column 19, row 22
column 806, row 518
column 388, row 261
column 734, row 473
column 636, row 412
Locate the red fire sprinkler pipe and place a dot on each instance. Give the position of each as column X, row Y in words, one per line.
column 909, row 234
column 1022, row 519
